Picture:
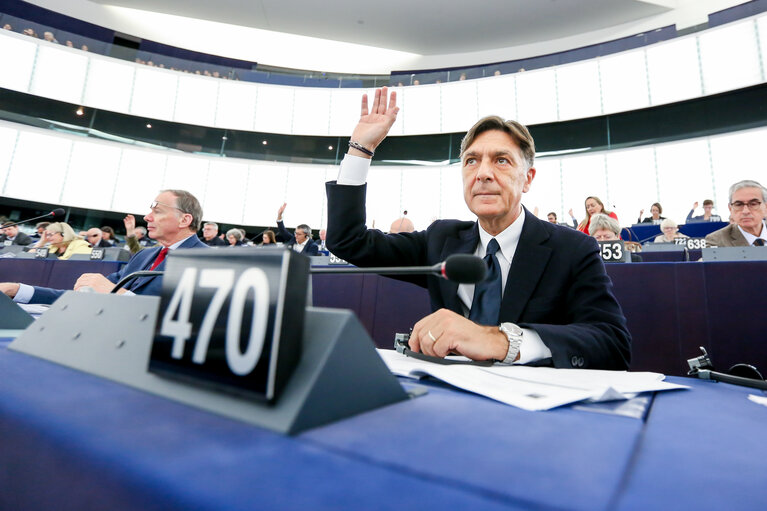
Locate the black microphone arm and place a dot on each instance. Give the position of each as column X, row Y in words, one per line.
column 461, row 268
column 56, row 212
column 133, row 276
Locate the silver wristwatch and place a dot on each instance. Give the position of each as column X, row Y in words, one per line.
column 514, row 334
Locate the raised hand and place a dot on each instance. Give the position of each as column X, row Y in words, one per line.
column 695, row 205
column 130, row 224
column 374, row 124
column 281, row 211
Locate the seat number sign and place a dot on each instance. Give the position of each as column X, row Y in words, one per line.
column 612, row 251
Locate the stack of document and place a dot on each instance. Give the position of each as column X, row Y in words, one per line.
column 532, row 388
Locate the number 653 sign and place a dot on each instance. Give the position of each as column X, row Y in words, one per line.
column 232, row 319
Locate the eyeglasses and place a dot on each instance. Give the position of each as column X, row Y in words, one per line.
column 93, row 235
column 52, row 234
column 154, row 205
column 753, row 205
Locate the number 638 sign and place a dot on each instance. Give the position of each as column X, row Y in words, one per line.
column 231, row 320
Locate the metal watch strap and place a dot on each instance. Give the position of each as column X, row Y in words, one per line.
column 514, row 334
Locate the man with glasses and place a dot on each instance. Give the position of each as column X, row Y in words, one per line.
column 747, row 211
column 173, row 221
column 301, row 241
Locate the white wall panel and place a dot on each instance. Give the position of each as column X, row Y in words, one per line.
column 536, row 96
column 140, row 179
column 226, row 190
column 274, row 109
column 304, row 194
column 546, row 190
column 18, row 55
column 497, row 96
column 674, row 71
column 7, row 146
column 186, row 173
column 154, row 93
column 453, row 204
column 91, row 175
column 624, row 82
column 729, row 57
column 236, row 105
column 422, row 112
column 421, row 196
column 384, row 203
column 736, row 157
column 109, row 85
column 267, row 190
column 578, row 90
column 459, row 106
column 632, row 180
column 196, row 100
column 39, row 167
column 684, row 176
column 59, row 74
column 345, row 108
column 583, row 176
column 311, row 111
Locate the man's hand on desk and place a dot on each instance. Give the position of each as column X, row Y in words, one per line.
column 97, row 282
column 9, row 288
column 454, row 333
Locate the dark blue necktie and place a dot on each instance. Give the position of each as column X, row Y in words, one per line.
column 486, row 306
column 758, row 242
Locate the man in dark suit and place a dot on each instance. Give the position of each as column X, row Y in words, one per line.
column 547, row 301
column 210, row 235
column 95, row 237
column 748, row 209
column 12, row 236
column 173, row 221
column 301, row 241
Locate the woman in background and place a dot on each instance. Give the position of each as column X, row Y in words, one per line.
column 654, row 218
column 670, row 231
column 235, row 237
column 268, row 237
column 593, row 206
column 64, row 242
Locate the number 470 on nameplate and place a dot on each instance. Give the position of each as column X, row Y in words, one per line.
column 232, row 322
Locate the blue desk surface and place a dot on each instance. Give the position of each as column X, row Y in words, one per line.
column 73, row 441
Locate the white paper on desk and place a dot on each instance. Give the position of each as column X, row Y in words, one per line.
column 531, row 388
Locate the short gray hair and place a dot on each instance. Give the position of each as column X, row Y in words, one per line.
column 667, row 222
column 234, row 232
column 142, row 229
column 307, row 230
column 188, row 203
column 602, row 221
column 747, row 183
column 214, row 224
column 517, row 131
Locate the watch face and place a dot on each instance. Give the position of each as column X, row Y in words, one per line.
column 512, row 328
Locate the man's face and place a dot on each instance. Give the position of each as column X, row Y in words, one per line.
column 707, row 208
column 552, row 219
column 209, row 232
column 93, row 236
column 604, row 235
column 300, row 236
column 165, row 221
column 495, row 175
column 40, row 230
column 323, row 234
column 747, row 209
column 11, row 232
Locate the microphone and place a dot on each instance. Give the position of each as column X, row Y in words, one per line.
column 461, row 268
column 53, row 214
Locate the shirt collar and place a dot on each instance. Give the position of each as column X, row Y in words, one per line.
column 179, row 243
column 507, row 239
column 750, row 238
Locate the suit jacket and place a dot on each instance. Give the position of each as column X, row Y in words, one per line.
column 727, row 236
column 20, row 239
column 557, row 284
column 139, row 261
column 311, row 248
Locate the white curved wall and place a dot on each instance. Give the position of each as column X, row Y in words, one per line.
column 709, row 62
column 45, row 166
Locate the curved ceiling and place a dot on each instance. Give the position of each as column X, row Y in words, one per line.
column 424, row 27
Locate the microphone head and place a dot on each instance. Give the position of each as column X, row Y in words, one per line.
column 57, row 212
column 464, row 269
